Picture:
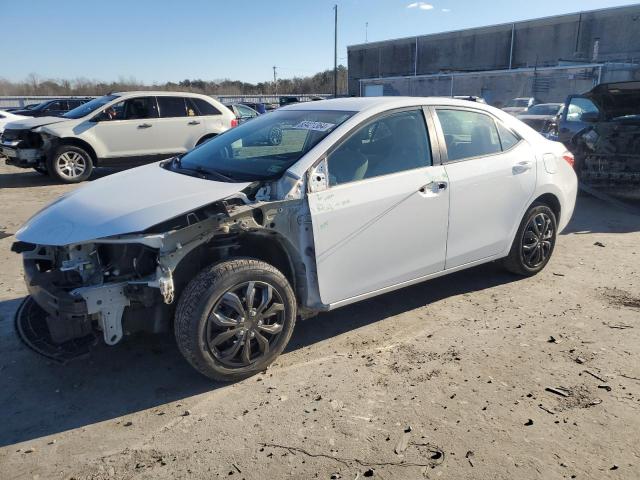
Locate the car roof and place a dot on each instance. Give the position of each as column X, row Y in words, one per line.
column 161, row 93
column 362, row 104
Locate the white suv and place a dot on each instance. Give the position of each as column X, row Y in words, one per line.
column 120, row 129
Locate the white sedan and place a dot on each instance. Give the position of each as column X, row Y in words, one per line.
column 7, row 117
column 362, row 196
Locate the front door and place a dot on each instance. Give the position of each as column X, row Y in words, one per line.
column 492, row 177
column 383, row 219
column 127, row 129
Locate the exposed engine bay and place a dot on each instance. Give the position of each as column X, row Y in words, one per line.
column 128, row 283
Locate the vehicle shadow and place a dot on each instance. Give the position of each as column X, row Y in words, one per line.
column 592, row 215
column 29, row 178
column 41, row 397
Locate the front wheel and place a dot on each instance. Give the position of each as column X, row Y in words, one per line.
column 234, row 318
column 70, row 164
column 534, row 241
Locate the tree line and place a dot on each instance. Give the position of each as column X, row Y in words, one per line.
column 321, row 82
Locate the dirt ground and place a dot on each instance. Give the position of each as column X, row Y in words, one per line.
column 446, row 379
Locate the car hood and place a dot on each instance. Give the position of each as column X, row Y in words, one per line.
column 32, row 122
column 616, row 99
column 126, row 202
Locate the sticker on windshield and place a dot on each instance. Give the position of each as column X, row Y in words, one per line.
column 317, row 126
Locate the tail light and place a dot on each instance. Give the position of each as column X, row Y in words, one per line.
column 568, row 157
column 234, row 122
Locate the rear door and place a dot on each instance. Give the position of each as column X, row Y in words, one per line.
column 179, row 126
column 492, row 177
column 383, row 219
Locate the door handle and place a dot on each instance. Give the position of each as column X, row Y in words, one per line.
column 145, row 125
column 433, row 187
column 522, row 167
column 194, row 122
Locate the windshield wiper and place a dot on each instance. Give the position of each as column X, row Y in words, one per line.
column 201, row 172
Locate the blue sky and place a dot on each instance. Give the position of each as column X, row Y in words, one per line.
column 170, row 40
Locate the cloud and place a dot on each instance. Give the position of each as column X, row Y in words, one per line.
column 446, row 10
column 420, row 5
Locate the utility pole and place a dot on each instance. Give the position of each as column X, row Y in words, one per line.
column 366, row 32
column 335, row 53
column 275, row 81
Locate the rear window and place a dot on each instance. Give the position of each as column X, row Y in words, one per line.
column 205, row 108
column 171, row 107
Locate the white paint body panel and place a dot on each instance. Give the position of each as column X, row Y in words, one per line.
column 8, row 117
column 488, row 197
column 378, row 232
column 126, row 202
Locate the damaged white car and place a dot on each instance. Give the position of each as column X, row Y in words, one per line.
column 233, row 241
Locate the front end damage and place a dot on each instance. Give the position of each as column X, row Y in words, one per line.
column 114, row 286
column 24, row 148
column 608, row 157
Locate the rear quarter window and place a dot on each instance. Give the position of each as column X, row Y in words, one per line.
column 205, row 108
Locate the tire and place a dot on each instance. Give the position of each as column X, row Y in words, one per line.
column 41, row 170
column 212, row 334
column 534, row 242
column 70, row 164
column 204, row 139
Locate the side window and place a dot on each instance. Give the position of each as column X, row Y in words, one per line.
column 132, row 109
column 192, row 110
column 392, row 143
column 578, row 107
column 54, row 106
column 508, row 139
column 245, row 111
column 468, row 134
column 171, row 107
column 139, row 108
column 205, row 108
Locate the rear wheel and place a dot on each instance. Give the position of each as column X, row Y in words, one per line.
column 534, row 242
column 70, row 164
column 235, row 318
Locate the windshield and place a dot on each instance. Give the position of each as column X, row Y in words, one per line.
column 544, row 109
column 87, row 108
column 261, row 149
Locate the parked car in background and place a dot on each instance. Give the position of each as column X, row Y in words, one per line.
column 6, row 117
column 288, row 100
column 519, row 105
column 541, row 116
column 602, row 129
column 258, row 107
column 52, row 108
column 242, row 112
column 470, row 98
column 117, row 130
column 230, row 243
column 25, row 107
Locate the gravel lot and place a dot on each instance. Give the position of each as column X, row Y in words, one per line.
column 446, row 379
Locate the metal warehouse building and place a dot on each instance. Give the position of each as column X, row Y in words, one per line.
column 547, row 58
